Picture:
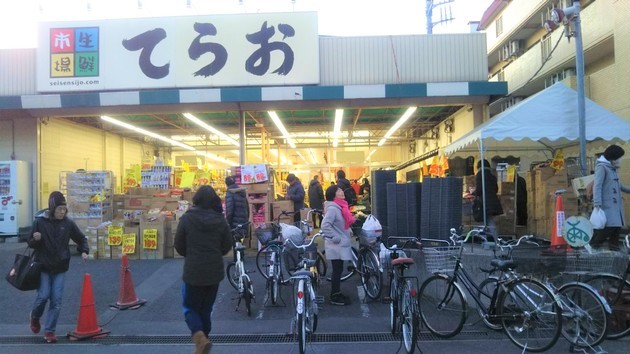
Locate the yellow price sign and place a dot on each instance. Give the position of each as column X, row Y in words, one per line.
column 114, row 235
column 149, row 239
column 128, row 243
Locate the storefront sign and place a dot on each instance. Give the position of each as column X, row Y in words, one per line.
column 192, row 51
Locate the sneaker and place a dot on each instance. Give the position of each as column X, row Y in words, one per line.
column 50, row 337
column 339, row 299
column 35, row 326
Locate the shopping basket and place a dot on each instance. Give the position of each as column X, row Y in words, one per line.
column 539, row 260
column 439, row 258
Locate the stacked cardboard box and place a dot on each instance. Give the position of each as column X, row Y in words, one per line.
column 91, row 234
column 152, row 223
column 280, row 206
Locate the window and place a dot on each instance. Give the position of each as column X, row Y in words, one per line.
column 545, row 48
column 499, row 24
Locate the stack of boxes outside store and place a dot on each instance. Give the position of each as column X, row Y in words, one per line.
column 142, row 222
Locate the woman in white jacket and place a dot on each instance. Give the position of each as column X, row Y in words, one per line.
column 336, row 228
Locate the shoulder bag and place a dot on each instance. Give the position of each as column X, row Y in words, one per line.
column 26, row 271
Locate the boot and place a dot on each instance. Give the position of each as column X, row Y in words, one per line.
column 202, row 344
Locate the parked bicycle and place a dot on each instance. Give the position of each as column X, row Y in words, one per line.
column 236, row 272
column 403, row 301
column 584, row 311
column 305, row 284
column 524, row 307
column 292, row 257
column 616, row 290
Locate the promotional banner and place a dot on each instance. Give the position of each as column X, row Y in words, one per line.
column 192, row 51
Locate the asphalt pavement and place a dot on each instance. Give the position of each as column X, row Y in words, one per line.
column 159, row 327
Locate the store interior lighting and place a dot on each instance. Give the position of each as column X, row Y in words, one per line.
column 337, row 126
column 211, row 129
column 148, row 133
column 216, row 158
column 313, row 158
column 398, row 124
column 367, row 158
column 283, row 130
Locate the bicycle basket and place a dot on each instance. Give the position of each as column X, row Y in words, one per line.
column 441, row 259
column 266, row 233
column 581, row 261
column 549, row 260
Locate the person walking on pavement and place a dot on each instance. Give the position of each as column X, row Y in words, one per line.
column 316, row 198
column 52, row 232
column 607, row 195
column 295, row 192
column 236, row 205
column 336, row 224
column 203, row 237
column 493, row 204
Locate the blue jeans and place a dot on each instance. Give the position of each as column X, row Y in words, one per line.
column 197, row 305
column 50, row 289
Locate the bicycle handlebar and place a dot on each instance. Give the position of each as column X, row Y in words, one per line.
column 241, row 226
column 407, row 240
column 304, row 246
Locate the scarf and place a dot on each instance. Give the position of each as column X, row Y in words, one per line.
column 345, row 211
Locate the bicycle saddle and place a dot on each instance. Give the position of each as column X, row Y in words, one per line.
column 301, row 273
column 402, row 260
column 274, row 243
column 503, row 264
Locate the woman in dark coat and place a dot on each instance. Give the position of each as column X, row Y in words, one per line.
column 316, row 199
column 203, row 237
column 493, row 204
column 236, row 204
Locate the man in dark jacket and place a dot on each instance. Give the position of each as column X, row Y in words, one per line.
column 346, row 187
column 52, row 232
column 203, row 237
column 316, row 199
column 493, row 204
column 236, row 205
column 295, row 192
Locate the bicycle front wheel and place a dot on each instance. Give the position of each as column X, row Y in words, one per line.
column 530, row 315
column 349, row 269
column 371, row 275
column 262, row 261
column 301, row 332
column 248, row 294
column 584, row 315
column 616, row 291
column 409, row 317
column 442, row 306
column 232, row 274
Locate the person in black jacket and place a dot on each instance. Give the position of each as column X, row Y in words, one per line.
column 316, row 199
column 236, row 205
column 203, row 237
column 295, row 193
column 493, row 204
column 346, row 187
column 52, row 232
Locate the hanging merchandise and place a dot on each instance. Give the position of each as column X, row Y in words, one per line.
column 445, row 166
column 425, row 168
column 558, row 160
column 435, row 168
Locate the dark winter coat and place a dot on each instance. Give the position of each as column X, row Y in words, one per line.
column 316, row 195
column 236, row 206
column 345, row 185
column 295, row 192
column 493, row 204
column 203, row 237
column 52, row 249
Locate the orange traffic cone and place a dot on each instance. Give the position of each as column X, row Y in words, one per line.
column 127, row 298
column 557, row 240
column 87, row 325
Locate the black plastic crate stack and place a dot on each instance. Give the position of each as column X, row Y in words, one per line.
column 403, row 209
column 441, row 206
column 379, row 193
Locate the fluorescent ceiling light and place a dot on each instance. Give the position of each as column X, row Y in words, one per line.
column 367, row 158
column 337, row 126
column 210, row 128
column 301, row 156
column 283, row 130
column 313, row 158
column 282, row 159
column 398, row 124
column 146, row 132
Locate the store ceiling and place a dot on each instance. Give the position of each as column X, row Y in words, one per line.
column 311, row 126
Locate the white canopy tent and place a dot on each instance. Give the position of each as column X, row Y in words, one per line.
column 545, row 121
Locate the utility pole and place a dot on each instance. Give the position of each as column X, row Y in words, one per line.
column 446, row 14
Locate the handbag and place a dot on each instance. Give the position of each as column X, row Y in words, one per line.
column 26, row 272
column 477, row 209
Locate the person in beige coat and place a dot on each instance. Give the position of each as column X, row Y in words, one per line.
column 336, row 228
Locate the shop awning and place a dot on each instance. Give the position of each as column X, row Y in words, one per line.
column 544, row 121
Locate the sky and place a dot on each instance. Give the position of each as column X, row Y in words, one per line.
column 18, row 19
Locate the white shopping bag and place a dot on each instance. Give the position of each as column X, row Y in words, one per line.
column 598, row 218
column 372, row 227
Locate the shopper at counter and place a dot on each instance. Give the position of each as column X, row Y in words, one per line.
column 52, row 232
column 236, row 205
column 295, row 193
column 607, row 195
column 347, row 189
column 316, row 199
column 365, row 187
column 203, row 237
column 493, row 204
